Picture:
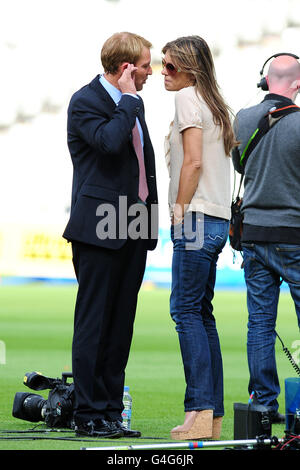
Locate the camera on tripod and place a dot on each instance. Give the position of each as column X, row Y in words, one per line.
column 56, row 411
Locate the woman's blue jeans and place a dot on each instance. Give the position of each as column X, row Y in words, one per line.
column 193, row 282
column 265, row 266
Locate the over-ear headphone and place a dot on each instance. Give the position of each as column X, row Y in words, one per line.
column 263, row 84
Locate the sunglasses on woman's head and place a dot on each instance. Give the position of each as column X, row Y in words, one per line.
column 171, row 69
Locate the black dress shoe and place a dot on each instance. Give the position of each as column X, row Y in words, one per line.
column 98, row 428
column 127, row 432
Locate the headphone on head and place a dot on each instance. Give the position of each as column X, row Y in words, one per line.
column 263, row 82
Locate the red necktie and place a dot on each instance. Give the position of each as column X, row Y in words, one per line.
column 136, row 140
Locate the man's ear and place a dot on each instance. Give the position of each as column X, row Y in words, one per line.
column 295, row 85
column 124, row 66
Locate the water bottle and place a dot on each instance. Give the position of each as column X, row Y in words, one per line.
column 127, row 402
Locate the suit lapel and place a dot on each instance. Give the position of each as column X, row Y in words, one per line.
column 148, row 149
column 101, row 92
column 144, row 127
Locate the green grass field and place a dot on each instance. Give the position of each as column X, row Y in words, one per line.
column 36, row 323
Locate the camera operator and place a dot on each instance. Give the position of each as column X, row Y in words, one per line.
column 271, row 229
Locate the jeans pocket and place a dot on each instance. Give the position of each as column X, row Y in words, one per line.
column 194, row 231
column 189, row 233
column 215, row 236
column 250, row 262
column 289, row 256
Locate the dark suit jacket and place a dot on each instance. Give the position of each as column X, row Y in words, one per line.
column 105, row 165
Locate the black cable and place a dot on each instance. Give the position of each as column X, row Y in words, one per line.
column 70, row 439
column 289, row 356
column 14, row 431
column 53, row 430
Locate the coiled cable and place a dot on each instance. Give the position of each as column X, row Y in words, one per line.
column 289, row 356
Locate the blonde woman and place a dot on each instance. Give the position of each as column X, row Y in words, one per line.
column 197, row 153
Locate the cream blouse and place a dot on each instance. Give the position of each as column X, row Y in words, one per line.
column 213, row 194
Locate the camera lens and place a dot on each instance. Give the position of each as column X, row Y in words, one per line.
column 29, row 406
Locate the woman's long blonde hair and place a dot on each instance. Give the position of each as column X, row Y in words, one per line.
column 191, row 54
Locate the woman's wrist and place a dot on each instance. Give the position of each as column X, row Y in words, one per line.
column 176, row 220
column 178, row 214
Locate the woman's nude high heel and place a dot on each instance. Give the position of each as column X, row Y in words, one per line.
column 217, row 428
column 197, row 425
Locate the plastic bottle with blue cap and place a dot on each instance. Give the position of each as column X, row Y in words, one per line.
column 127, row 412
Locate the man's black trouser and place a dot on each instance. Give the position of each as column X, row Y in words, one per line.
column 108, row 286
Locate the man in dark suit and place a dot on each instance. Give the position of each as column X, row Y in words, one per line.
column 113, row 222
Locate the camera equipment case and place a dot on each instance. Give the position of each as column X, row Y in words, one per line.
column 251, row 420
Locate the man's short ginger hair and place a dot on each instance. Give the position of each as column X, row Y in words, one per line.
column 120, row 48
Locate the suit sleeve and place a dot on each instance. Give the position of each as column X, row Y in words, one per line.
column 106, row 133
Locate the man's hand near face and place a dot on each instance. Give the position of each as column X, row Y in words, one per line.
column 126, row 81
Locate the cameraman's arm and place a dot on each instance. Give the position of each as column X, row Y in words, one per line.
column 235, row 154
